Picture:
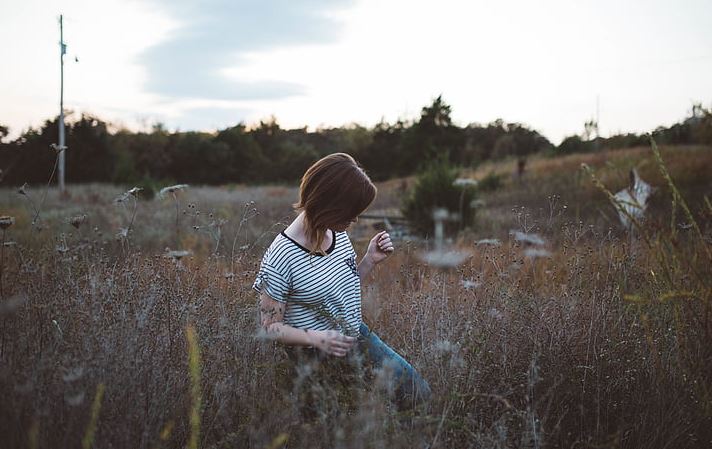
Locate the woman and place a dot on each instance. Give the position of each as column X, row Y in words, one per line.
column 310, row 282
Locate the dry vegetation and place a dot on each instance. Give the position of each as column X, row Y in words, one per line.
column 595, row 340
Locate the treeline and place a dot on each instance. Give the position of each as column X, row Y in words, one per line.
column 268, row 153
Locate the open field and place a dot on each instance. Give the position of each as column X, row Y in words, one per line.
column 591, row 339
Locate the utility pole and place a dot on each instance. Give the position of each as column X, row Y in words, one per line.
column 598, row 115
column 62, row 51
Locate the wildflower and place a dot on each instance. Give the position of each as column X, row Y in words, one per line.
column 534, row 253
column 177, row 255
column 529, row 239
column 465, row 182
column 446, row 346
column 6, row 221
column 58, row 148
column 22, row 190
column 217, row 223
column 133, row 192
column 468, row 284
column 445, row 259
column 450, row 352
column 123, row 233
column 495, row 314
column 171, row 189
column 489, row 242
column 77, row 220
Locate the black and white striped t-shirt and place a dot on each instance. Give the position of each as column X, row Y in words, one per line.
column 322, row 292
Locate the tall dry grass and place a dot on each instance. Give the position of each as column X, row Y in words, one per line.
column 593, row 340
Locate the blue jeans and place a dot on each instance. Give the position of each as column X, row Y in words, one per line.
column 405, row 386
column 408, row 387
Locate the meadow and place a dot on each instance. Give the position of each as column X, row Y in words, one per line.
column 132, row 323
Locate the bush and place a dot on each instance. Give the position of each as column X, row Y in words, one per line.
column 574, row 144
column 435, row 188
column 491, row 182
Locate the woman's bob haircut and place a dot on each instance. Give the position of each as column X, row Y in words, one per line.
column 333, row 192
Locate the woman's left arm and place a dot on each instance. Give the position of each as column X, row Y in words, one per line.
column 379, row 248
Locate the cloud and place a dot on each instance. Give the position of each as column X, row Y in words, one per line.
column 216, row 35
column 207, row 118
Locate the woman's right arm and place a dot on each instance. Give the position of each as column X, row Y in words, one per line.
column 272, row 320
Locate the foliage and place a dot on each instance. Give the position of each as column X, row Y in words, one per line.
column 268, row 154
column 695, row 129
column 436, row 188
column 491, row 182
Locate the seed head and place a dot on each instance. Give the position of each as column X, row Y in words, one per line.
column 468, row 284
column 534, row 253
column 171, row 189
column 128, row 194
column 122, row 234
column 526, row 238
column 77, row 220
column 444, row 259
column 177, row 255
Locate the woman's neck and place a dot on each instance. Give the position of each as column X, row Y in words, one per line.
column 298, row 232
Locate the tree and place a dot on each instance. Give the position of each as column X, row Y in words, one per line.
column 436, row 188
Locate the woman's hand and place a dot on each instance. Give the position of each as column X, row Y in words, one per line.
column 379, row 248
column 332, row 342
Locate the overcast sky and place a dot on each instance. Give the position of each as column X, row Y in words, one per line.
column 211, row 64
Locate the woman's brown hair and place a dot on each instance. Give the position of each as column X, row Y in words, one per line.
column 334, row 190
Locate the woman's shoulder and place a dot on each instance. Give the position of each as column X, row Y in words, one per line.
column 343, row 241
column 281, row 246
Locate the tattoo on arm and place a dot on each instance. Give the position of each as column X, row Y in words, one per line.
column 271, row 314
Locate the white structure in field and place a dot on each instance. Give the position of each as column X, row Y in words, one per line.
column 633, row 200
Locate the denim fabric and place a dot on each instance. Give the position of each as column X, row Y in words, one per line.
column 408, row 387
column 312, row 374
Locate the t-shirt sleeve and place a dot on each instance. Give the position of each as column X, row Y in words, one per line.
column 272, row 281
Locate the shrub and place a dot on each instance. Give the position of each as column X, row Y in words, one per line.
column 436, row 188
column 491, row 182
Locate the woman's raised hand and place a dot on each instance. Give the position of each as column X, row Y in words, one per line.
column 380, row 247
column 332, row 342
